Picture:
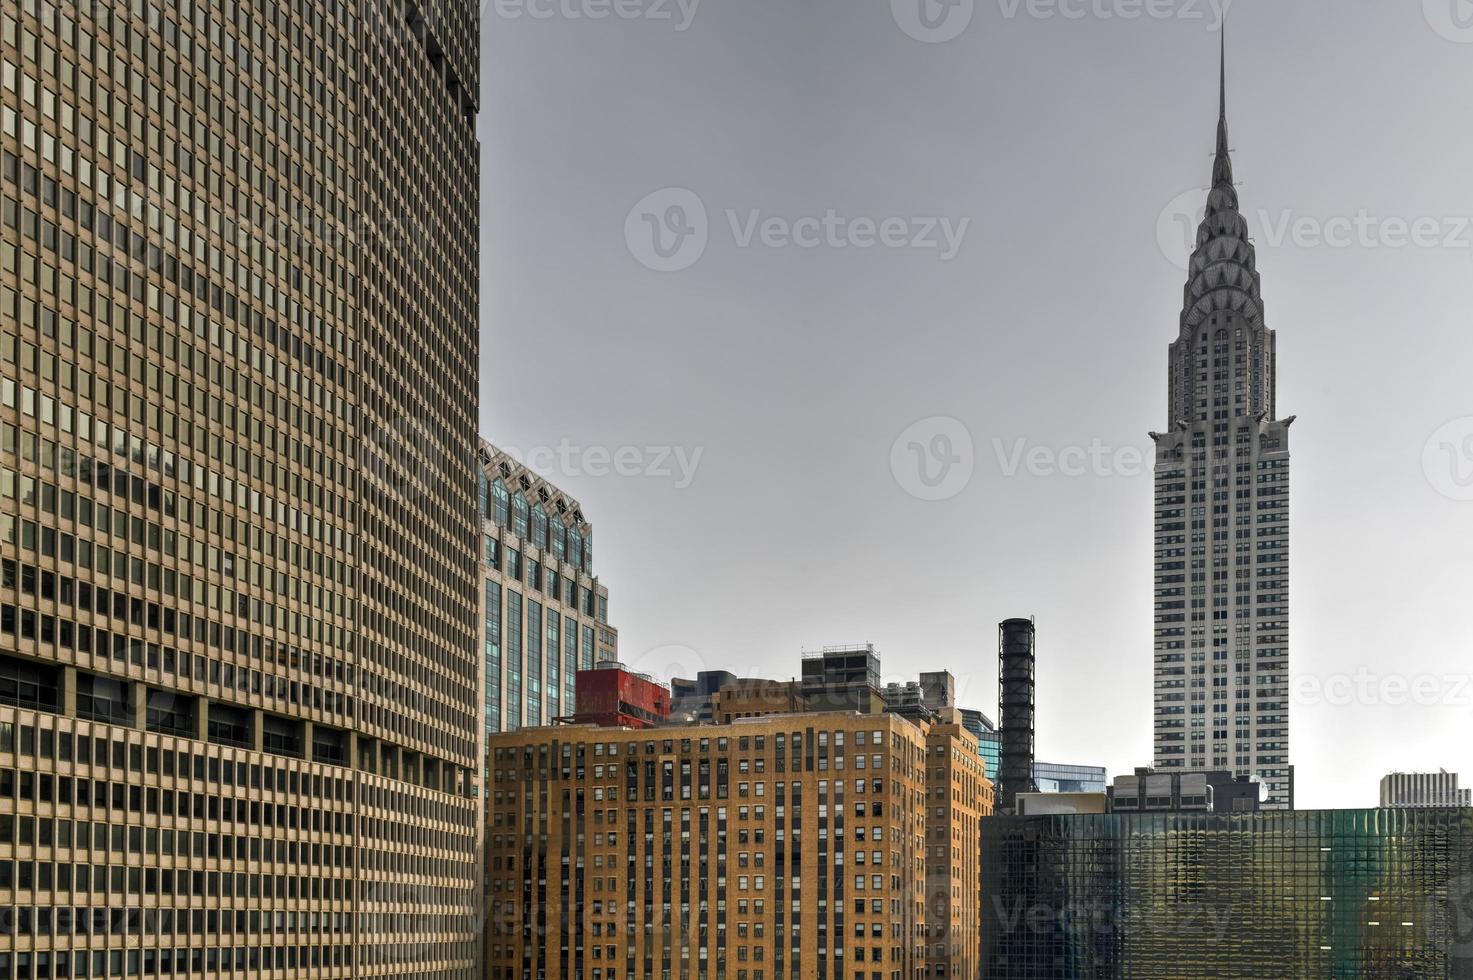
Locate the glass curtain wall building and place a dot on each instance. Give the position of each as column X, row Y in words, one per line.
column 545, row 615
column 1053, row 777
column 238, row 337
column 1353, row 894
column 989, row 742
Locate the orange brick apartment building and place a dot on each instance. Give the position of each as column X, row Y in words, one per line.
column 808, row 846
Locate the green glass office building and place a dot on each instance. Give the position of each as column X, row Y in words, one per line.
column 1360, row 894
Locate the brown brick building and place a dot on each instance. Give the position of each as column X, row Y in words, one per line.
column 835, row 846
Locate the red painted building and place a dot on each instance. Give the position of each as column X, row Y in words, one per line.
column 610, row 696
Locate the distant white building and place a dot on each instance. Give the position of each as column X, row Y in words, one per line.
column 1424, row 789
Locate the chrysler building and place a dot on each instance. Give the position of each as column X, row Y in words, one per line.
column 1222, row 517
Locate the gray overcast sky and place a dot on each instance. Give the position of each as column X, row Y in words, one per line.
column 1067, row 142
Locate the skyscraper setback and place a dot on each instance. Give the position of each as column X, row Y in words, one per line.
column 238, row 611
column 1222, row 516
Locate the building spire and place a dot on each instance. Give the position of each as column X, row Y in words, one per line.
column 1222, row 272
column 1222, row 83
column 1222, row 169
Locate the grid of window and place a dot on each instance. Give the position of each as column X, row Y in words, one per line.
column 1369, row 894
column 1222, row 521
column 784, row 848
column 551, row 617
column 237, row 384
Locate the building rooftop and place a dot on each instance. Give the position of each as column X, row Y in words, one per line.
column 537, row 488
column 822, row 652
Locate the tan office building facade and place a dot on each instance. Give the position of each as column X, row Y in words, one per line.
column 238, row 334
column 801, row 846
